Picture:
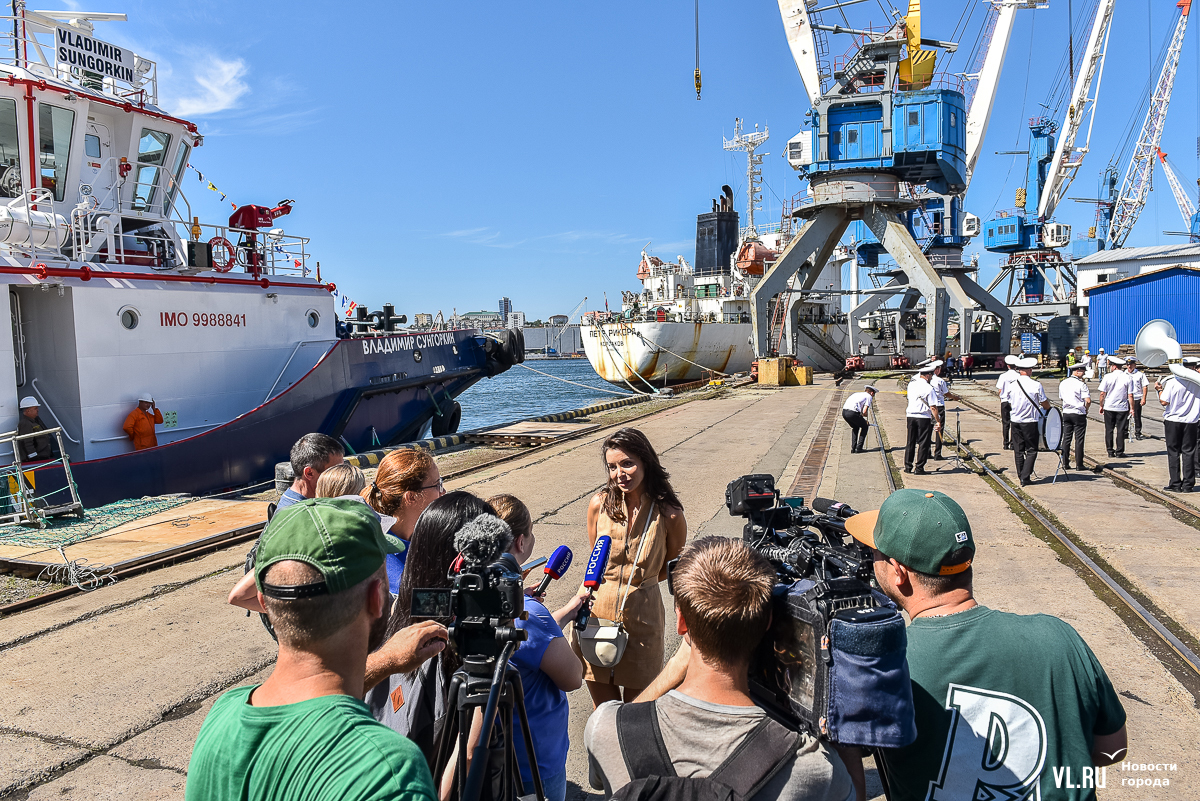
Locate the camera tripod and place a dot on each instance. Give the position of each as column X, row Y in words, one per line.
column 493, row 686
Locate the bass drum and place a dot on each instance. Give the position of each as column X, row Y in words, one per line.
column 1050, row 428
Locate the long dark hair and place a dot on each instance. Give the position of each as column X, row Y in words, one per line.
column 432, row 551
column 656, row 483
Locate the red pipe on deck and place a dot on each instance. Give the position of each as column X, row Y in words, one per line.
column 42, row 271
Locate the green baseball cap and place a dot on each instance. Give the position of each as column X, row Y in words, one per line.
column 340, row 538
column 921, row 529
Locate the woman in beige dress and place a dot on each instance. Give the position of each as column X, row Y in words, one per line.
column 637, row 502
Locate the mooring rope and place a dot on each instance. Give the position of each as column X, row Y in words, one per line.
column 652, row 343
column 653, row 389
column 576, row 383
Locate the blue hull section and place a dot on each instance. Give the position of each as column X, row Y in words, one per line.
column 368, row 392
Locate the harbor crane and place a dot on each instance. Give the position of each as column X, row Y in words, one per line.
column 1139, row 176
column 1186, row 208
column 1027, row 234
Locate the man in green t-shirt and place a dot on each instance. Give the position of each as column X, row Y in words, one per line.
column 304, row 733
column 1007, row 705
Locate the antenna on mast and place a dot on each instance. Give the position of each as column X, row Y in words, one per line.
column 697, row 49
column 749, row 142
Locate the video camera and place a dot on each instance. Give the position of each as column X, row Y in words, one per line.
column 830, row 628
column 487, row 596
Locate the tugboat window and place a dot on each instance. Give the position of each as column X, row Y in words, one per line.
column 91, row 146
column 10, row 152
column 181, row 157
column 314, row 319
column 152, row 156
column 129, row 318
column 54, row 137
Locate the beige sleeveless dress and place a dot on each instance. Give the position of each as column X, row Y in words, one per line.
column 643, row 614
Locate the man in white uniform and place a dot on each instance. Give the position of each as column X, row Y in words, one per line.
column 1086, row 361
column 1140, row 388
column 1102, row 362
column 940, row 389
column 922, row 419
column 1001, row 383
column 1181, row 419
column 1024, row 396
column 1116, row 398
column 854, row 412
column 1076, row 399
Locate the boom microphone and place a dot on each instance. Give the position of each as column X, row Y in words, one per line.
column 560, row 560
column 483, row 539
column 833, row 508
column 597, row 562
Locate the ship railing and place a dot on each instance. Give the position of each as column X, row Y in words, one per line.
column 28, row 43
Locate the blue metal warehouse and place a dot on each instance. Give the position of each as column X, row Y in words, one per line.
column 1117, row 310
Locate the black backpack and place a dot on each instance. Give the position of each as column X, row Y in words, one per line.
column 652, row 776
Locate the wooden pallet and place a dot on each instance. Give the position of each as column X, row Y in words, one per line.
column 530, row 433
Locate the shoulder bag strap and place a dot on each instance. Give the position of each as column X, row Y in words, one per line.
column 758, row 758
column 642, row 760
column 636, row 559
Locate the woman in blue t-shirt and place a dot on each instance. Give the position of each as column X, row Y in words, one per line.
column 549, row 668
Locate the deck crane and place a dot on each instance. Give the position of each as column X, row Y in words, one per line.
column 1027, row 235
column 1186, row 208
column 574, row 313
column 1139, row 176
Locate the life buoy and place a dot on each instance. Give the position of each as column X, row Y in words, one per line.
column 223, row 254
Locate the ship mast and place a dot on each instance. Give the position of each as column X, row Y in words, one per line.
column 749, row 142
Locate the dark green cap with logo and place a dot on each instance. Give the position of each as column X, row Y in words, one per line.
column 921, row 529
column 340, row 538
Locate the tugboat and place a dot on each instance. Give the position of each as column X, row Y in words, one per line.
column 116, row 290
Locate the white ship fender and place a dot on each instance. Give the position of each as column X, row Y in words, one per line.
column 22, row 227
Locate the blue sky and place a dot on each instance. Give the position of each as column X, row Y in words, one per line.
column 445, row 154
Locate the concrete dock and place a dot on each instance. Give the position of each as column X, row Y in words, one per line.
column 102, row 694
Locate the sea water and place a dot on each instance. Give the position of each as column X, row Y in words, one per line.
column 519, row 393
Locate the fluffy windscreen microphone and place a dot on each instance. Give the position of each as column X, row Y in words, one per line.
column 483, row 539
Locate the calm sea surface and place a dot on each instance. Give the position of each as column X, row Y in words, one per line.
column 519, row 393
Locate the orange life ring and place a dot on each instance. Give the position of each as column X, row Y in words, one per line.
column 219, row 264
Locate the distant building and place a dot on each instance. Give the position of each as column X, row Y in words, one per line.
column 1118, row 308
column 1108, row 266
column 479, row 319
column 558, row 320
column 505, row 308
column 516, row 319
column 423, row 320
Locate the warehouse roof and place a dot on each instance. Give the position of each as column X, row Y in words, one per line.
column 1137, row 254
column 1147, row 274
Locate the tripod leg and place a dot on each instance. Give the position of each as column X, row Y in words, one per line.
column 519, row 701
column 447, row 736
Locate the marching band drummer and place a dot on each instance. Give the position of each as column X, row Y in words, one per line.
column 1024, row 396
column 1001, row 384
column 1076, row 399
column 1180, row 398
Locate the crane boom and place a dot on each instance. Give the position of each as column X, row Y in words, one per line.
column 1064, row 166
column 1186, row 208
column 999, row 28
column 570, row 317
column 802, row 42
column 1139, row 176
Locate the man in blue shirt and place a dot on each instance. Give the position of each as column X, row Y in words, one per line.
column 311, row 456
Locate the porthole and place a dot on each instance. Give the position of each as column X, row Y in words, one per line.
column 129, row 318
column 314, row 318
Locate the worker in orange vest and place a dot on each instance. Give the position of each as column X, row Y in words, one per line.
column 139, row 425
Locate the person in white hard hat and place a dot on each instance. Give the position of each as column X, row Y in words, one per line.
column 35, row 448
column 140, row 423
column 1102, row 362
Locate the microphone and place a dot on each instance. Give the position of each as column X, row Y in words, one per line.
column 483, row 540
column 560, row 560
column 833, row 508
column 597, row 562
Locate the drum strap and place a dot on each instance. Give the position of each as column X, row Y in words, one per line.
column 1040, row 411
